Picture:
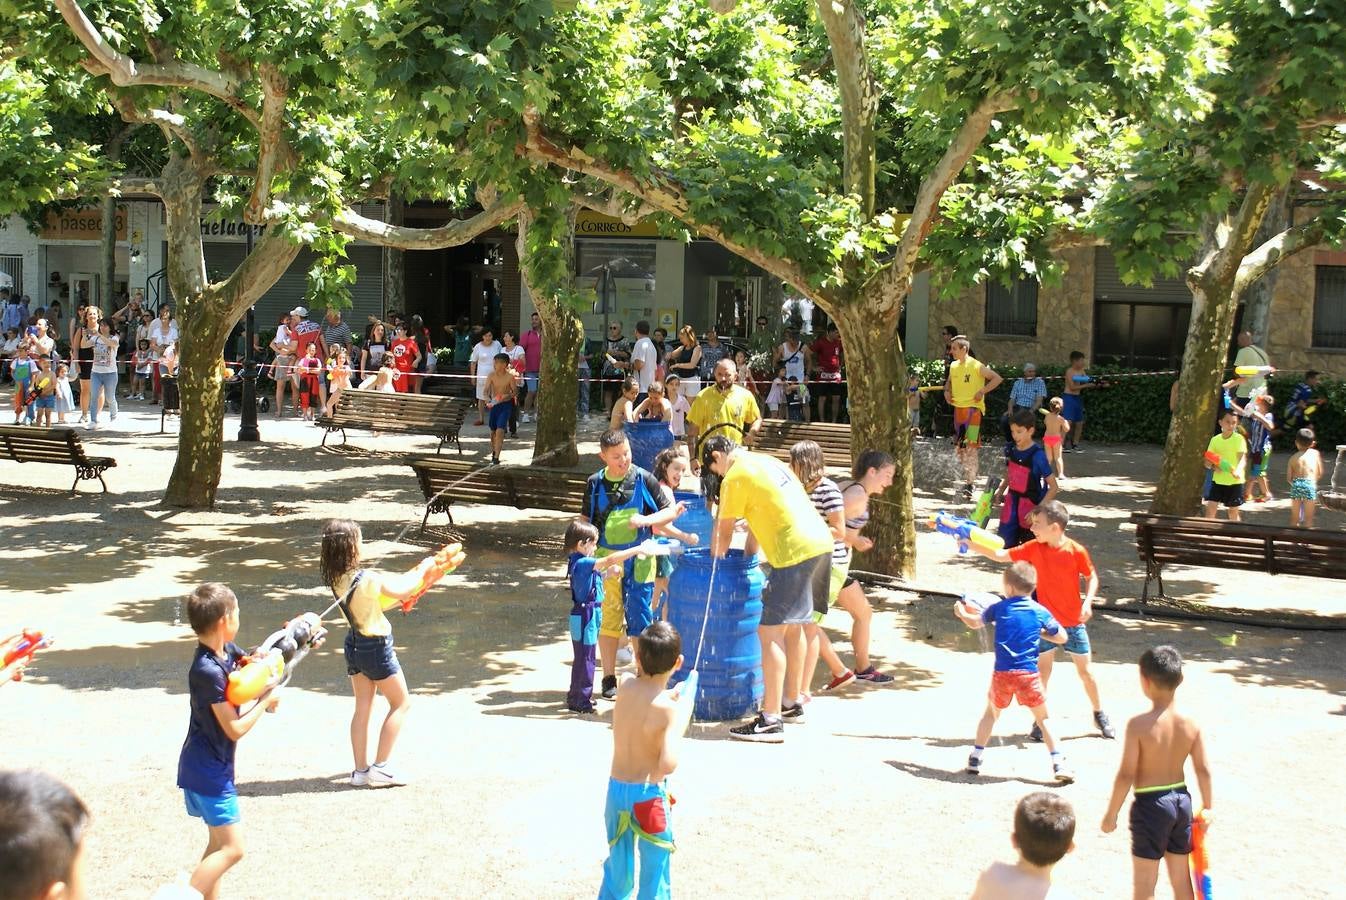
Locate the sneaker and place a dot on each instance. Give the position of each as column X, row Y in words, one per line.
column 841, row 680
column 873, row 676
column 967, row 492
column 359, row 777
column 609, row 687
column 624, row 656
column 92, row 426
column 382, row 776
column 1035, row 733
column 1061, row 771
column 1104, row 724
column 792, row 714
column 759, row 731
column 973, row 764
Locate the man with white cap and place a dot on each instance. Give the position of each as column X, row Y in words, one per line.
column 305, row 331
column 1029, row 392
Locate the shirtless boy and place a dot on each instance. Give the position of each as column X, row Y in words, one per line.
column 500, row 391
column 1157, row 745
column 647, row 722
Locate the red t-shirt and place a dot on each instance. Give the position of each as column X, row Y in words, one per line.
column 404, row 354
column 1059, row 571
column 305, row 333
column 828, row 354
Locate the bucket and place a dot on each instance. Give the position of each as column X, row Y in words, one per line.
column 647, row 439
column 731, row 660
column 697, row 519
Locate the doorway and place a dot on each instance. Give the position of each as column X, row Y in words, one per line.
column 733, row 303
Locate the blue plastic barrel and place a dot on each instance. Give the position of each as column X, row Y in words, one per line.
column 697, row 519
column 647, row 439
column 731, row 660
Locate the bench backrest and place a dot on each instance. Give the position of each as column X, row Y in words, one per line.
column 1240, row 545
column 520, row 486
column 51, row 445
column 408, row 409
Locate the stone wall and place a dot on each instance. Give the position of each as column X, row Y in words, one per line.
column 1065, row 318
column 1290, row 323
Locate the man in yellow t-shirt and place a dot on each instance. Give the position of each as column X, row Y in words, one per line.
column 722, row 408
column 1226, row 482
column 797, row 545
column 965, row 389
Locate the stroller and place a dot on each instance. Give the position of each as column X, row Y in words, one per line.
column 233, row 388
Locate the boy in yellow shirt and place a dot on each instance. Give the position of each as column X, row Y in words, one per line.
column 1226, row 456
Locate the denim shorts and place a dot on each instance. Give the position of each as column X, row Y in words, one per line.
column 48, row 402
column 530, row 380
column 1077, row 642
column 217, row 811
column 372, row 657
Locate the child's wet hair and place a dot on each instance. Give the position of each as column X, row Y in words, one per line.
column 806, row 458
column 1054, row 512
column 42, row 825
column 1044, row 827
column 1024, row 418
column 613, row 437
column 579, row 532
column 340, row 550
column 871, row 459
column 1021, row 578
column 1304, row 438
column 208, row 604
column 662, row 460
column 1162, row 666
column 630, row 384
column 659, row 648
column 1056, row 404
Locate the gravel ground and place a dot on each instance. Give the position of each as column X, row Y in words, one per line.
column 864, row 799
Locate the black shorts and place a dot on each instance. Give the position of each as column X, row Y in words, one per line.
column 1161, row 822
column 824, row 388
column 792, row 593
column 1231, row 495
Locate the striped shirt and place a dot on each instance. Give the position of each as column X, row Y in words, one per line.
column 340, row 333
column 826, row 497
column 1027, row 390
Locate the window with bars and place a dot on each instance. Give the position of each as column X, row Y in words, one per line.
column 1329, row 307
column 1013, row 309
column 12, row 266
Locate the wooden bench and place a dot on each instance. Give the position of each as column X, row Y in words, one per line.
column 440, row 417
column 448, row 481
column 778, row 436
column 26, row 443
column 1175, row 540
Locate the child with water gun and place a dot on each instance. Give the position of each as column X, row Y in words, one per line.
column 1225, row 456
column 363, row 596
column 206, row 762
column 17, row 652
column 1155, row 750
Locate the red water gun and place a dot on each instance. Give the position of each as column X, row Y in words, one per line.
column 1222, row 464
column 1199, row 858
column 19, row 650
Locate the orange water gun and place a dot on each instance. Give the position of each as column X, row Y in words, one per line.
column 1199, row 859
column 432, row 569
column 19, row 650
column 272, row 664
column 1215, row 460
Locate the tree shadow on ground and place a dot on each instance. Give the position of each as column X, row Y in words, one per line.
column 283, row 787
column 961, row 777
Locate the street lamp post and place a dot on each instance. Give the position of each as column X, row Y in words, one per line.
column 247, row 420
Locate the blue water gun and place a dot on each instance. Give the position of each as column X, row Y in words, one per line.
column 966, row 532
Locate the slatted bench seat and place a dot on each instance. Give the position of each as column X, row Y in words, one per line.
column 777, row 437
column 440, row 417
column 448, row 481
column 1177, row 540
column 29, row 444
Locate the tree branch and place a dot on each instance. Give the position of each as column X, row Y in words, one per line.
column 260, row 269
column 664, row 195
column 403, row 237
column 614, row 205
column 845, row 26
column 271, row 143
column 171, row 124
column 897, row 277
column 1276, row 250
column 125, row 72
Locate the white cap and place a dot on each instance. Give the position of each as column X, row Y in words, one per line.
column 299, row 311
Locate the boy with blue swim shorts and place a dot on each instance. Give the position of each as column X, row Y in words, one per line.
column 206, row 763
column 501, row 389
column 647, row 722
column 624, row 503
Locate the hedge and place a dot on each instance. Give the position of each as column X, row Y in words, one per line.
column 1133, row 407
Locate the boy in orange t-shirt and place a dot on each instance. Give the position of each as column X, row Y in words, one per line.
column 1061, row 563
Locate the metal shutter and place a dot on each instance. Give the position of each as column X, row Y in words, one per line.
column 1108, row 286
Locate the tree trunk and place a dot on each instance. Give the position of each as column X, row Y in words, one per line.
column 877, row 378
column 107, row 258
column 1278, row 217
column 1203, row 365
column 542, row 263
column 395, row 263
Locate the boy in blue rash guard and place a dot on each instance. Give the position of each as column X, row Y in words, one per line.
column 206, row 764
column 647, row 722
column 624, row 503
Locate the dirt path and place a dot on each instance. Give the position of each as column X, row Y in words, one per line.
column 864, row 799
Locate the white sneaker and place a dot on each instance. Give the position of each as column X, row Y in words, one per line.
column 359, row 778
column 624, row 656
column 382, row 776
column 91, row 426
